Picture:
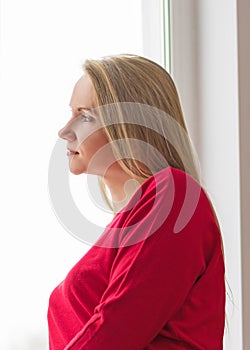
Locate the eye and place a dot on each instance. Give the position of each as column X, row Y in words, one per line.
column 86, row 118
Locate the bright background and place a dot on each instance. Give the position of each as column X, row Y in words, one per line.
column 43, row 45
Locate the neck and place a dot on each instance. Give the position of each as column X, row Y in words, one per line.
column 122, row 186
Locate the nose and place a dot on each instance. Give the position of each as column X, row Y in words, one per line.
column 66, row 133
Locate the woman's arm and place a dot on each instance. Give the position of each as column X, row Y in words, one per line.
column 149, row 280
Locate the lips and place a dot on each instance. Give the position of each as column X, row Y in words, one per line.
column 72, row 152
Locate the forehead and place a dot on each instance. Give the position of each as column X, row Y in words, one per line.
column 83, row 93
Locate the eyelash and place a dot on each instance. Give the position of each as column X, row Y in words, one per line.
column 86, row 118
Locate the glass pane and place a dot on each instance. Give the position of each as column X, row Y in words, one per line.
column 43, row 44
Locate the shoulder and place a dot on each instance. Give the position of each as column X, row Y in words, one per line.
column 171, row 191
column 170, row 202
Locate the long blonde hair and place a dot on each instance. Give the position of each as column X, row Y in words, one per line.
column 141, row 82
column 134, row 79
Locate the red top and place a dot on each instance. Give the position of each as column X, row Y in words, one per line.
column 154, row 280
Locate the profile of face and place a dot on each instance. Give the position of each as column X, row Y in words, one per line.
column 88, row 147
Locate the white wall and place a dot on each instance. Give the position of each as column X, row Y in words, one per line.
column 244, row 128
column 205, row 68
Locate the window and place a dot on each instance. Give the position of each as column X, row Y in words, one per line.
column 43, row 45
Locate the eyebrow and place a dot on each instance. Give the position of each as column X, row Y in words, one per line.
column 80, row 108
column 86, row 108
column 92, row 111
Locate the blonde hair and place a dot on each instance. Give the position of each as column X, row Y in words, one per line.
column 141, row 82
column 134, row 79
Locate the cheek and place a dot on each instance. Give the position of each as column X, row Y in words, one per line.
column 97, row 152
column 95, row 157
column 93, row 143
column 84, row 135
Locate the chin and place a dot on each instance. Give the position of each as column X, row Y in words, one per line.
column 76, row 167
column 76, row 170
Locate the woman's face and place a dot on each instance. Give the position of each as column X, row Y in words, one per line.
column 84, row 134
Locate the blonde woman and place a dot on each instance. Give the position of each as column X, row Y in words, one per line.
column 155, row 278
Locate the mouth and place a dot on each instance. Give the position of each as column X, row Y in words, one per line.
column 71, row 152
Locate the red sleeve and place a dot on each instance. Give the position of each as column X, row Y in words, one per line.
column 150, row 279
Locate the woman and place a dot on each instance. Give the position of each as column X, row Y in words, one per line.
column 155, row 278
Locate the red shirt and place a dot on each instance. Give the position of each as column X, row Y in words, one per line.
column 153, row 281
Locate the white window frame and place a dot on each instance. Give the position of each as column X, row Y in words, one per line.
column 156, row 31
